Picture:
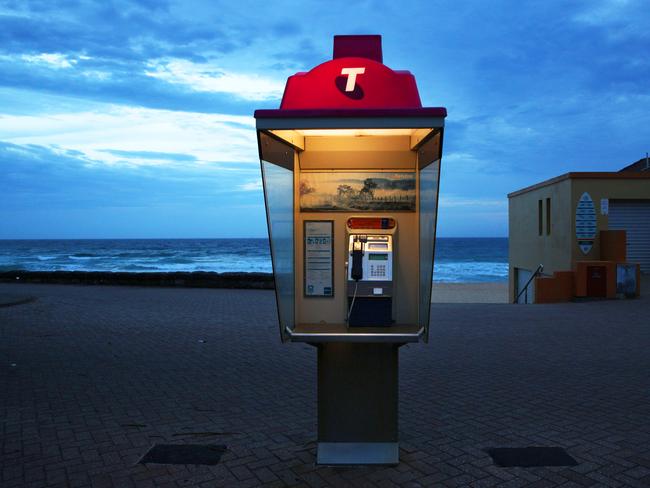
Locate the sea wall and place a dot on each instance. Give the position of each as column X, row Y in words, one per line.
column 196, row 279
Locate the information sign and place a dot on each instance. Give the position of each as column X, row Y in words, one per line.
column 319, row 258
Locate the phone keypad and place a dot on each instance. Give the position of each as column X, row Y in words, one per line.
column 377, row 270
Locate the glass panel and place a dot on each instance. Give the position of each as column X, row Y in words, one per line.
column 278, row 194
column 429, row 180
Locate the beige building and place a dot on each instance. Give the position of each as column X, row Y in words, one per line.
column 571, row 225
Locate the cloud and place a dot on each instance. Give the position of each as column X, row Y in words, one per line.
column 148, row 86
column 34, row 176
column 210, row 78
column 121, row 30
column 156, row 54
column 54, row 193
column 159, row 56
column 209, row 91
column 255, row 185
column 449, row 201
column 56, row 60
column 115, row 134
column 622, row 19
column 151, row 155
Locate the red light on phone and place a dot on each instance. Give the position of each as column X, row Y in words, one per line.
column 371, row 223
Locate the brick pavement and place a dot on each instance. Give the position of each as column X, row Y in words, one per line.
column 91, row 377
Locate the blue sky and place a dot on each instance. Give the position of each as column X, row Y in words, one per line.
column 134, row 119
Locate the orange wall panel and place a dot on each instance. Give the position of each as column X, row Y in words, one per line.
column 554, row 289
column 613, row 245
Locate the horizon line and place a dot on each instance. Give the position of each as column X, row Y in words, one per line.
column 187, row 238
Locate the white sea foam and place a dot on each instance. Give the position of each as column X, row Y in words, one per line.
column 457, row 260
column 477, row 271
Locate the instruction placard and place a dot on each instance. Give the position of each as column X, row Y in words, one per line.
column 319, row 258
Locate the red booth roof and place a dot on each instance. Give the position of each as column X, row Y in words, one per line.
column 353, row 84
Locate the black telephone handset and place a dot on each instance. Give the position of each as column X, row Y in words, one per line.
column 357, row 259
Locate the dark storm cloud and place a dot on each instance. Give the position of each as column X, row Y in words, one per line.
column 110, row 45
column 132, row 31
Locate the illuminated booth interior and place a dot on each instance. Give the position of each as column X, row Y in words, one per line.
column 350, row 166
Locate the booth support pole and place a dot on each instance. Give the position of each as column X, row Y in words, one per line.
column 358, row 403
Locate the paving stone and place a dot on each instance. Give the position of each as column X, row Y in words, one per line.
column 106, row 372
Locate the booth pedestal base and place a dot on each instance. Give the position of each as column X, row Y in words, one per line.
column 357, row 403
column 357, row 453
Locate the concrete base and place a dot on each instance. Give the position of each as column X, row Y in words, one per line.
column 332, row 453
column 357, row 403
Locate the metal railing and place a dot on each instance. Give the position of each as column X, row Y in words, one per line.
column 524, row 291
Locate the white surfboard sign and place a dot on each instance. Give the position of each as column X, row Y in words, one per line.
column 585, row 223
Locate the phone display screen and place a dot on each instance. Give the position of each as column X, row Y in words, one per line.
column 378, row 257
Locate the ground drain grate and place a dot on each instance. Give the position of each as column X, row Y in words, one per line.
column 206, row 454
column 528, row 457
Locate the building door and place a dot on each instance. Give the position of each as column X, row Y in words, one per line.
column 527, row 296
column 633, row 216
column 596, row 281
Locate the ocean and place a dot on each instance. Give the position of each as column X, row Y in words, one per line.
column 458, row 260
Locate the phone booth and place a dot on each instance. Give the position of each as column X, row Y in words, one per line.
column 350, row 166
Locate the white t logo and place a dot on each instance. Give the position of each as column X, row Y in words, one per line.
column 352, row 77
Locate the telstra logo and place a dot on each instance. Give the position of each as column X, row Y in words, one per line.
column 352, row 77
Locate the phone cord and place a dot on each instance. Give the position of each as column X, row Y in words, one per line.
column 354, row 297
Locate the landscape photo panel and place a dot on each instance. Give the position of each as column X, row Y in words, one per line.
column 362, row 191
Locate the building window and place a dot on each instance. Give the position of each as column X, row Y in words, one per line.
column 540, row 218
column 548, row 216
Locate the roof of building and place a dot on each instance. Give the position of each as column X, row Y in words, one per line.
column 593, row 175
column 642, row 164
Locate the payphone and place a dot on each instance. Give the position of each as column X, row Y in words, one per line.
column 350, row 166
column 370, row 279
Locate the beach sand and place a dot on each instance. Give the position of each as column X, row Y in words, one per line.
column 442, row 292
column 469, row 293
